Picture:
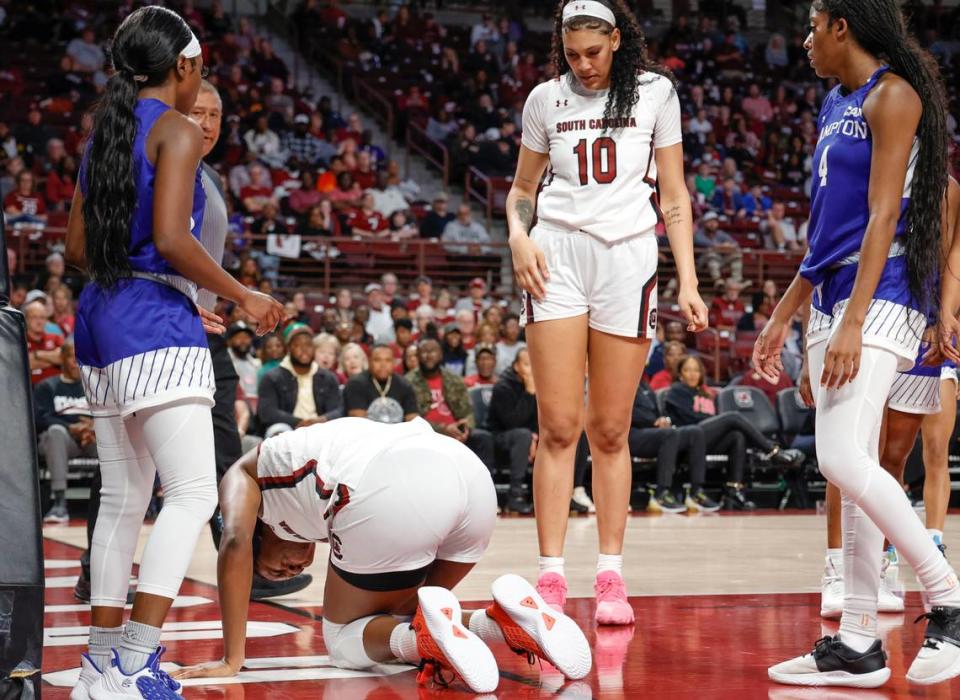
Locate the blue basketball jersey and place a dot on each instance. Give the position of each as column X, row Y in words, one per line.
column 138, row 315
column 143, row 253
column 839, row 199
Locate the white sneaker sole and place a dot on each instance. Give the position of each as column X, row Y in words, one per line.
column 951, row 671
column 873, row 679
column 563, row 643
column 466, row 652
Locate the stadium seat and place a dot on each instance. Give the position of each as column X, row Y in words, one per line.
column 480, row 399
column 795, row 417
column 754, row 404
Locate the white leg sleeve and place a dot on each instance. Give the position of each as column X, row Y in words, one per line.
column 179, row 438
column 848, row 430
column 127, row 472
column 345, row 644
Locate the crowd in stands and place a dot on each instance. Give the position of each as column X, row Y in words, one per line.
column 296, row 171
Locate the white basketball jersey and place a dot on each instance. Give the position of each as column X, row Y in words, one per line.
column 306, row 476
column 602, row 176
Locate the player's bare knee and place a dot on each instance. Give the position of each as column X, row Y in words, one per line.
column 607, row 435
column 559, row 434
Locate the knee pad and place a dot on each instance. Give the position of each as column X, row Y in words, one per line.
column 345, row 644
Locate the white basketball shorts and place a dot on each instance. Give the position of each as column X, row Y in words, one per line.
column 418, row 501
column 919, row 394
column 614, row 284
column 149, row 379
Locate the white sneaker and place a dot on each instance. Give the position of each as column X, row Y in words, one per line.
column 831, row 590
column 938, row 660
column 580, row 497
column 890, row 594
column 149, row 683
column 446, row 645
column 531, row 627
column 833, row 663
column 89, row 673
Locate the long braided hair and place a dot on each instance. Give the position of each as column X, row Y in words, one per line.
column 880, row 29
column 628, row 62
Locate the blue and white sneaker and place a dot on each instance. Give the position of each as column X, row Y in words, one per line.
column 149, row 683
column 89, row 674
column 937, row 540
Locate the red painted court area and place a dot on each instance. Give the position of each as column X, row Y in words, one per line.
column 681, row 647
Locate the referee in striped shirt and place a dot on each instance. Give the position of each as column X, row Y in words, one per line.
column 208, row 113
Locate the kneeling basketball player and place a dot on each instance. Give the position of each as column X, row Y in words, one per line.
column 407, row 513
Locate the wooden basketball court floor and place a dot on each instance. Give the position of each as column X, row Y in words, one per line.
column 718, row 598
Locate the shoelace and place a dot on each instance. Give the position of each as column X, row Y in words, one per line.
column 821, row 647
column 551, row 588
column 162, row 675
column 432, row 669
column 938, row 617
column 610, row 587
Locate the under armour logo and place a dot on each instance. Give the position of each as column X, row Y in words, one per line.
column 565, row 102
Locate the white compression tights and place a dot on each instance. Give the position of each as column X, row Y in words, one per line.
column 873, row 504
column 176, row 442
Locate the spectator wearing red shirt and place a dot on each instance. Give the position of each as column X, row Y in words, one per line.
column 367, row 221
column 25, row 204
column 726, row 309
column 347, row 194
column 424, row 294
column 353, row 131
column 61, row 184
column 485, row 357
column 259, row 191
column 63, row 313
column 43, row 347
column 673, row 352
column 364, row 174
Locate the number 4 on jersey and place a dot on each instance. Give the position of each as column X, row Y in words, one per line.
column 604, row 160
column 823, row 167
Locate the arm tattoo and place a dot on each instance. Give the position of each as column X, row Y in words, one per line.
column 524, row 209
column 672, row 216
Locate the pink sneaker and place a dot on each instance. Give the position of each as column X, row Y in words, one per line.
column 553, row 589
column 612, row 605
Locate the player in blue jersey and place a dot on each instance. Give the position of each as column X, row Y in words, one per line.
column 875, row 225
column 140, row 340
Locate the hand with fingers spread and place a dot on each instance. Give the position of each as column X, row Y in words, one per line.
column 693, row 310
column 948, row 332
column 529, row 266
column 842, row 362
column 768, row 349
column 211, row 322
column 267, row 310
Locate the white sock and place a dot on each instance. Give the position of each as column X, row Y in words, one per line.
column 933, row 532
column 102, row 641
column 610, row 562
column 485, row 627
column 403, row 644
column 139, row 641
column 551, row 565
column 836, row 557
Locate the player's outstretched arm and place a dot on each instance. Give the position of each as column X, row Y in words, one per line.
column 239, row 505
column 678, row 218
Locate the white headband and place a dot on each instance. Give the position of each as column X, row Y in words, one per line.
column 589, row 8
column 192, row 49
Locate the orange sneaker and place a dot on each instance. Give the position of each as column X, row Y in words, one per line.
column 533, row 628
column 445, row 644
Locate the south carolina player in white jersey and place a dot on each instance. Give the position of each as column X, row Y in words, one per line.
column 608, row 130
column 407, row 513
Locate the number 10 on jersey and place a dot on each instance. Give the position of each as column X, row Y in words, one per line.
column 601, row 158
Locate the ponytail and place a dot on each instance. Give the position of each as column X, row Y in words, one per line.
column 112, row 191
